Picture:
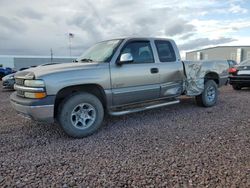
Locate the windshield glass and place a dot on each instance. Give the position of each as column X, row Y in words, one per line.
column 100, row 52
column 245, row 63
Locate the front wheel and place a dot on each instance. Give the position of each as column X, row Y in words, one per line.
column 81, row 115
column 209, row 96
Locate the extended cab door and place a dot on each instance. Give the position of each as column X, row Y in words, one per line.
column 170, row 67
column 136, row 81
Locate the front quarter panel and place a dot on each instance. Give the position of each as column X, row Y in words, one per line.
column 56, row 81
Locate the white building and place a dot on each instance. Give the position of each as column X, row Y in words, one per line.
column 236, row 53
column 18, row 62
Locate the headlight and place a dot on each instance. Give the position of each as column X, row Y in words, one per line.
column 34, row 83
column 34, row 95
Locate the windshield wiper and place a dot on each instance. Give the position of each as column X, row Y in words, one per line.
column 86, row 60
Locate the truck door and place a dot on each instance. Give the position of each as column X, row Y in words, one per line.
column 136, row 81
column 171, row 69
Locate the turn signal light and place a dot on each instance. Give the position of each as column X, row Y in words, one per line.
column 232, row 70
column 35, row 95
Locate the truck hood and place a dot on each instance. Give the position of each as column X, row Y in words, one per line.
column 45, row 70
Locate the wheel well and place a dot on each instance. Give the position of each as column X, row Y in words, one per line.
column 89, row 88
column 212, row 76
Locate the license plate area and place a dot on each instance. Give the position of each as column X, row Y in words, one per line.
column 244, row 72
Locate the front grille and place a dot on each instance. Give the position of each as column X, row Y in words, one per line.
column 20, row 93
column 19, row 81
column 5, row 83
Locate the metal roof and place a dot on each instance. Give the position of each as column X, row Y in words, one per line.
column 217, row 47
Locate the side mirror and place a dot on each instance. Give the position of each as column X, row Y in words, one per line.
column 125, row 58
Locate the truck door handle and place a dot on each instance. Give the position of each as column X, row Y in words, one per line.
column 154, row 70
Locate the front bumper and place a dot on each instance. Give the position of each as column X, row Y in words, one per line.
column 243, row 80
column 36, row 109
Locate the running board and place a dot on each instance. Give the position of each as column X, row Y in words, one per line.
column 129, row 111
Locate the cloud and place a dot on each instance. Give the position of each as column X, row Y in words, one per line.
column 30, row 13
column 203, row 42
column 237, row 9
column 11, row 24
column 186, row 36
column 33, row 27
column 178, row 27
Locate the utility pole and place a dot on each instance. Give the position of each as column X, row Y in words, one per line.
column 51, row 55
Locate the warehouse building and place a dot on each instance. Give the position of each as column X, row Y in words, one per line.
column 236, row 53
column 18, row 62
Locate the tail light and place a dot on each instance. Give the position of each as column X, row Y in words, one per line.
column 232, row 70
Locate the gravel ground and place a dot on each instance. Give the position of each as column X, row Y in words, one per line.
column 178, row 146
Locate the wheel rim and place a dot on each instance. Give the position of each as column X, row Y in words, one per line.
column 211, row 93
column 83, row 116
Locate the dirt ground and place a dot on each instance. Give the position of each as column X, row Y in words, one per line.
column 178, row 146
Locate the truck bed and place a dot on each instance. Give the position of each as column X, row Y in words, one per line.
column 197, row 71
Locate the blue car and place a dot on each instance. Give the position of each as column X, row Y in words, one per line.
column 5, row 71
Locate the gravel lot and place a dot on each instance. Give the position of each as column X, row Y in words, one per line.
column 178, row 146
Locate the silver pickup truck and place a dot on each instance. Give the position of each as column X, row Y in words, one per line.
column 117, row 77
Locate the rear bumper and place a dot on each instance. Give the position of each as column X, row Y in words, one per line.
column 40, row 110
column 239, row 80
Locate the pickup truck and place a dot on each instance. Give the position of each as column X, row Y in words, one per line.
column 116, row 77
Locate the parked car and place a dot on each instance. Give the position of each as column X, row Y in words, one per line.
column 231, row 63
column 240, row 75
column 119, row 76
column 5, row 71
column 9, row 80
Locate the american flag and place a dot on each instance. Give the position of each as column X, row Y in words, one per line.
column 71, row 35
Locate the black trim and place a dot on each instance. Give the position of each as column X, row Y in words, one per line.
column 114, row 50
column 49, row 100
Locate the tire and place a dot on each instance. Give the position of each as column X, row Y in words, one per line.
column 209, row 96
column 81, row 114
column 236, row 87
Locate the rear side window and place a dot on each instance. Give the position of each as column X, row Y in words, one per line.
column 165, row 51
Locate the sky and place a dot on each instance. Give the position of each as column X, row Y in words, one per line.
column 34, row 27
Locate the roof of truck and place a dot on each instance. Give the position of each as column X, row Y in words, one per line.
column 140, row 38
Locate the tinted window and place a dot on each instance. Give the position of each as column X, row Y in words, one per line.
column 141, row 51
column 165, row 51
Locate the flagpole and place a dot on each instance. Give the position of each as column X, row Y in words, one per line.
column 51, row 55
column 69, row 45
column 71, row 35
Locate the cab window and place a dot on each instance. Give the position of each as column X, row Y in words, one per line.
column 165, row 51
column 140, row 50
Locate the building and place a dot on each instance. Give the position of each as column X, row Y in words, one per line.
column 236, row 53
column 18, row 62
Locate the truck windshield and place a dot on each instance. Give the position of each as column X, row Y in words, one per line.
column 100, row 52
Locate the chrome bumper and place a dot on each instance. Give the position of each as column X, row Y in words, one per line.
column 39, row 113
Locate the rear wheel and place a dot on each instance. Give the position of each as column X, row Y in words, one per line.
column 81, row 115
column 236, row 87
column 209, row 96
